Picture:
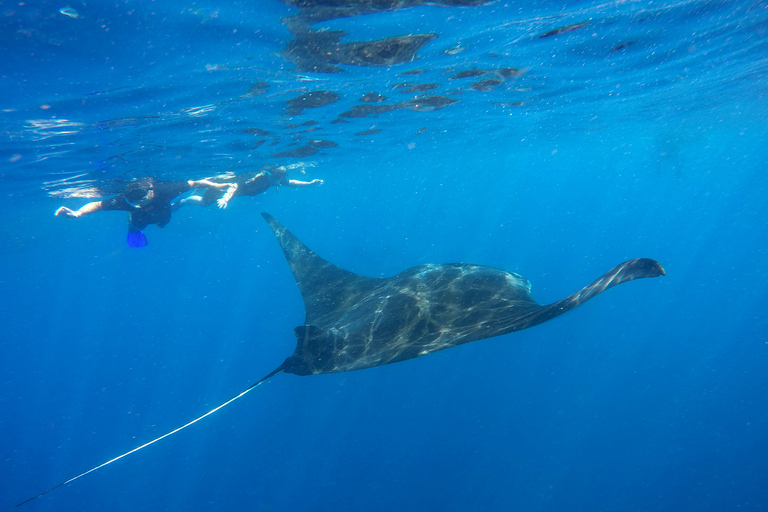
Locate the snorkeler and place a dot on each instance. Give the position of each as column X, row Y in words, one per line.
column 247, row 184
column 148, row 200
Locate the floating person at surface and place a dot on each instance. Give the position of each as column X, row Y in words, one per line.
column 247, row 184
column 148, row 200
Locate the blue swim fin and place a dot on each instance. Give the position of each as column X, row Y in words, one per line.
column 136, row 239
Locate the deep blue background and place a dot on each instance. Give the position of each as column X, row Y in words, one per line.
column 650, row 397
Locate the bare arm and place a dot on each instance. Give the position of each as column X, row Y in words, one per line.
column 94, row 206
column 222, row 201
column 313, row 183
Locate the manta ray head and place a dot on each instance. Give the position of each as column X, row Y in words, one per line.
column 315, row 351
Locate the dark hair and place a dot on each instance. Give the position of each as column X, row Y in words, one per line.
column 136, row 191
column 277, row 171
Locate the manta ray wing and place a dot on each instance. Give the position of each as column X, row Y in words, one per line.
column 325, row 288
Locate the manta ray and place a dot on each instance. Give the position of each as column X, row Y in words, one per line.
column 355, row 322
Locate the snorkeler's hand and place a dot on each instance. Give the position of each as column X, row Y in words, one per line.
column 230, row 192
column 317, row 182
column 66, row 212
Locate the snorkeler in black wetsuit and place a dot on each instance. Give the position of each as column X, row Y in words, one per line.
column 247, row 184
column 148, row 200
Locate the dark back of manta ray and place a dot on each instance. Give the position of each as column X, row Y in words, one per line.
column 354, row 322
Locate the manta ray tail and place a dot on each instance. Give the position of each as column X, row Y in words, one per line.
column 638, row 268
column 168, row 434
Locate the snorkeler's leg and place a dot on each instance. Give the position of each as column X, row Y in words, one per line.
column 297, row 183
column 206, row 183
column 191, row 200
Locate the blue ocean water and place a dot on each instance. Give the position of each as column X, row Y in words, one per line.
column 627, row 129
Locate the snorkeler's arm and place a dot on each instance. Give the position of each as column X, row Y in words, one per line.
column 297, row 183
column 222, row 202
column 92, row 207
